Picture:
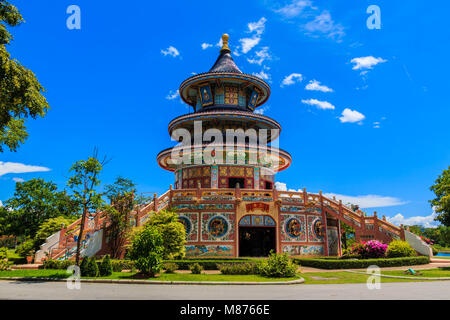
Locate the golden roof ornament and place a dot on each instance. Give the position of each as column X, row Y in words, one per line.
column 225, row 47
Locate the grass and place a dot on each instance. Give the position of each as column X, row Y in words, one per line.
column 437, row 272
column 441, row 257
column 342, row 277
column 61, row 274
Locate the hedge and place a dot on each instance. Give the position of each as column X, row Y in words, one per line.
column 208, row 264
column 361, row 263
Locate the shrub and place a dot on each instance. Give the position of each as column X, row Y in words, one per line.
column 170, row 267
column 398, row 248
column 277, row 266
column 210, row 263
column 91, row 268
column 26, row 248
column 84, row 266
column 435, row 252
column 120, row 265
column 105, row 268
column 172, row 231
column 372, row 249
column 4, row 263
column 146, row 250
column 238, row 268
column 196, row 268
column 363, row 263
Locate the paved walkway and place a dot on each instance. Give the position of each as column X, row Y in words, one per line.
column 59, row 291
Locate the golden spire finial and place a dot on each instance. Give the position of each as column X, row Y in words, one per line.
column 225, row 38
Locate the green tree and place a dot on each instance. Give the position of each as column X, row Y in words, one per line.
column 20, row 91
column 34, row 202
column 147, row 250
column 49, row 227
column 84, row 183
column 172, row 231
column 121, row 196
column 441, row 203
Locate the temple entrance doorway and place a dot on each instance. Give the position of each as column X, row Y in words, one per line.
column 256, row 241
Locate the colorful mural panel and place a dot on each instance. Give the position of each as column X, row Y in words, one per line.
column 293, row 228
column 190, row 222
column 315, row 229
column 303, row 250
column 209, row 250
column 218, row 226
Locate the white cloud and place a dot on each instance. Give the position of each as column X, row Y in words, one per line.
column 315, row 85
column 367, row 201
column 172, row 95
column 280, row 186
column 351, row 116
column 171, row 51
column 323, row 24
column 261, row 110
column 261, row 55
column 426, row 221
column 257, row 28
column 206, row 45
column 248, row 43
column 18, row 180
column 291, row 79
column 14, row 167
column 262, row 75
column 366, row 63
column 294, row 9
column 319, row 104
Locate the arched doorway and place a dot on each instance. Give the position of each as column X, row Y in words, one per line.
column 257, row 236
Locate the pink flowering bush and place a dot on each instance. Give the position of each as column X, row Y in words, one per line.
column 369, row 250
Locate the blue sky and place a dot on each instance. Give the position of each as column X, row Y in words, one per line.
column 363, row 111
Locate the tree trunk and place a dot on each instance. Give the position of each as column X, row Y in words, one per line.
column 80, row 235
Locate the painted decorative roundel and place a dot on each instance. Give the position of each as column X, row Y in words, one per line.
column 293, row 227
column 317, row 228
column 218, row 227
column 187, row 224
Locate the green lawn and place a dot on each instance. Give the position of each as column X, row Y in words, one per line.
column 342, row 277
column 438, row 272
column 61, row 274
column 441, row 257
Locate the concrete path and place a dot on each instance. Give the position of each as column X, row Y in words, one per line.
column 59, row 291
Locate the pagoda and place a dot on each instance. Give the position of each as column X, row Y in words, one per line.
column 225, row 164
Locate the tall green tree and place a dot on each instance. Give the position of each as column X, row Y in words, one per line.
column 173, row 233
column 441, row 203
column 34, row 201
column 121, row 195
column 20, row 91
column 84, row 184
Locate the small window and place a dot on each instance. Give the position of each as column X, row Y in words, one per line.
column 232, row 182
column 268, row 185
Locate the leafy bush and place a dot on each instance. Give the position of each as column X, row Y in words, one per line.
column 238, row 268
column 435, row 252
column 4, row 263
column 91, row 269
column 26, row 248
column 57, row 264
column 84, row 266
column 196, row 268
column 105, row 268
column 172, row 231
column 359, row 264
column 398, row 248
column 372, row 249
column 120, row 265
column 170, row 267
column 277, row 266
column 147, row 249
